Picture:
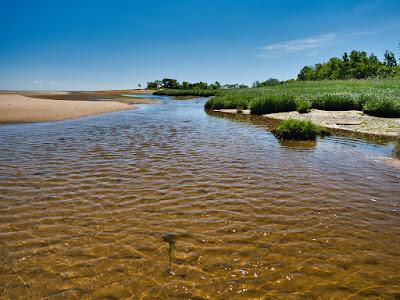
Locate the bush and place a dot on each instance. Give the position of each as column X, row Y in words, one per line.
column 272, row 104
column 382, row 107
column 292, row 129
column 303, row 106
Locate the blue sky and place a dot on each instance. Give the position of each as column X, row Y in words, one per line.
column 99, row 44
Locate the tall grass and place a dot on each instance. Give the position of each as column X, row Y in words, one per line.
column 383, row 107
column 336, row 101
column 272, row 103
column 374, row 97
column 302, row 105
column 298, row 130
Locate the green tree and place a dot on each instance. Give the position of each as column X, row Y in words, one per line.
column 335, row 66
column 152, row 85
column 168, row 83
column 200, row 85
column 185, row 85
column 270, row 82
column 307, row 73
column 322, row 71
column 357, row 65
column 373, row 65
column 344, row 70
column 390, row 59
column 396, row 71
column 215, row 86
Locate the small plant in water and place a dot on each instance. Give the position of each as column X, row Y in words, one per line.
column 170, row 239
column 292, row 129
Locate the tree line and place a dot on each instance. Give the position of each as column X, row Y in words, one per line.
column 170, row 83
column 356, row 65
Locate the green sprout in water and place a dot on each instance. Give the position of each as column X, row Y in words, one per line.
column 170, row 239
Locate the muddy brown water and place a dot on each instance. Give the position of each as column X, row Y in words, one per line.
column 167, row 201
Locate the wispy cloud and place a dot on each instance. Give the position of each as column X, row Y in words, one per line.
column 301, row 44
column 358, row 33
column 47, row 82
column 309, row 45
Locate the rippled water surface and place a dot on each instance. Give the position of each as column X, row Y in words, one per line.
column 168, row 202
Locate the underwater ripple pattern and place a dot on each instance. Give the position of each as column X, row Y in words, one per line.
column 87, row 208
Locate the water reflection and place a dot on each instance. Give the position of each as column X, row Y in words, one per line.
column 300, row 145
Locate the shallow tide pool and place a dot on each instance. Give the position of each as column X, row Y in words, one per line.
column 167, row 201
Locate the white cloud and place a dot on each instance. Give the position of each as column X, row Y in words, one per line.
column 298, row 45
column 47, row 82
column 309, row 46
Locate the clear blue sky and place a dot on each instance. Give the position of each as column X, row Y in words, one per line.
column 99, row 44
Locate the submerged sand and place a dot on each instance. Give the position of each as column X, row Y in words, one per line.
column 15, row 108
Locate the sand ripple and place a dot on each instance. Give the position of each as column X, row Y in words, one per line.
column 89, row 209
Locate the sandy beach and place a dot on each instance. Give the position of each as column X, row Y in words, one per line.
column 17, row 108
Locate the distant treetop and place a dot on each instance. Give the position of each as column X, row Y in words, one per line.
column 357, row 65
column 169, row 83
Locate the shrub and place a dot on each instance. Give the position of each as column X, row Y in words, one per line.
column 303, row 106
column 272, row 103
column 292, row 129
column 382, row 107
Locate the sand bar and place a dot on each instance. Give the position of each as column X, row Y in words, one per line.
column 350, row 120
column 15, row 108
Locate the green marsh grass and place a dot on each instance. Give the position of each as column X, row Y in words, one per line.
column 374, row 97
column 303, row 106
column 336, row 101
column 382, row 107
column 292, row 129
column 272, row 103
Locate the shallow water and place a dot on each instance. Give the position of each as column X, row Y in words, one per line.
column 167, row 201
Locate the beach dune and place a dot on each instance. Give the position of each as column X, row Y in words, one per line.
column 16, row 108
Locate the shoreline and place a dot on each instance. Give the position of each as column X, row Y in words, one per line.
column 116, row 96
column 44, row 106
column 18, row 108
column 349, row 121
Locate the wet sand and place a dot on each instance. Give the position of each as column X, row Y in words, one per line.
column 351, row 120
column 95, row 96
column 16, row 108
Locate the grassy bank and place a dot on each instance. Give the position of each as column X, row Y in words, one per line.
column 184, row 93
column 374, row 97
